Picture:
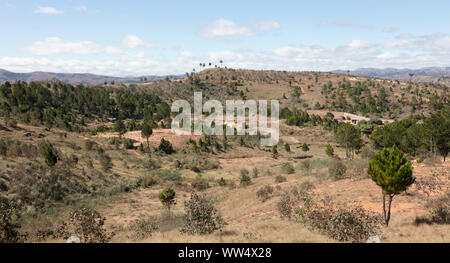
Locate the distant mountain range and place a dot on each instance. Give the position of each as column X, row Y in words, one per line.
column 439, row 75
column 75, row 78
column 430, row 74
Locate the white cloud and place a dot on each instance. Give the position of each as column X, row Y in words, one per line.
column 346, row 25
column 81, row 8
column 389, row 29
column 404, row 36
column 267, row 25
column 114, row 51
column 416, row 52
column 54, row 46
column 225, row 28
column 132, row 41
column 48, row 10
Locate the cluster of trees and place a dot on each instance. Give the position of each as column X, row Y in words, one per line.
column 65, row 105
column 416, row 136
column 296, row 117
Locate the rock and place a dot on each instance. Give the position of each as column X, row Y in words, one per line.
column 373, row 239
column 73, row 239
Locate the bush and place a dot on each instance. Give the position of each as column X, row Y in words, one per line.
column 329, row 150
column 287, row 168
column 438, row 211
column 167, row 197
column 255, row 172
column 280, row 179
column 87, row 224
column 337, row 169
column 264, row 193
column 200, row 184
column 143, row 228
column 343, row 224
column 168, row 175
column 305, row 147
column 306, row 165
column 201, row 216
column 147, row 181
column 9, row 228
column 89, row 145
column 222, row 181
column 284, row 206
column 128, row 143
column 105, row 161
column 245, row 179
column 287, row 148
column 49, row 153
column 165, row 147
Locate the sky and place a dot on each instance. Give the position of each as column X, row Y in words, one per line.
column 135, row 38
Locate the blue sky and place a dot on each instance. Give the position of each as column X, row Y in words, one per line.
column 172, row 37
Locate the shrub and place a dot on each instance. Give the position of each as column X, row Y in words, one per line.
column 128, row 143
column 264, row 193
column 287, row 168
column 284, row 206
column 87, row 224
column 280, row 179
column 305, row 147
column 287, row 148
column 200, row 185
column 9, row 228
column 89, row 145
column 201, row 216
column 306, row 165
column 165, row 147
column 428, row 184
column 337, row 169
column 222, row 181
column 49, row 153
column 148, row 180
column 255, row 172
column 245, row 179
column 243, row 171
column 329, row 150
column 167, row 197
column 143, row 228
column 438, row 211
column 306, row 186
column 343, row 224
column 168, row 175
column 105, row 161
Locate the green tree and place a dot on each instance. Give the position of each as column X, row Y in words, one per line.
column 390, row 170
column 146, row 132
column 305, row 147
column 167, row 197
column 49, row 153
column 349, row 136
column 329, row 150
column 438, row 128
column 120, row 127
column 287, row 148
column 165, row 146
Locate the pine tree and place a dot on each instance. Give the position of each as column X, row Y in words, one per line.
column 167, row 197
column 390, row 170
column 146, row 132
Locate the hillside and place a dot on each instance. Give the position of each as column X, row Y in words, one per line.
column 370, row 97
column 70, row 150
